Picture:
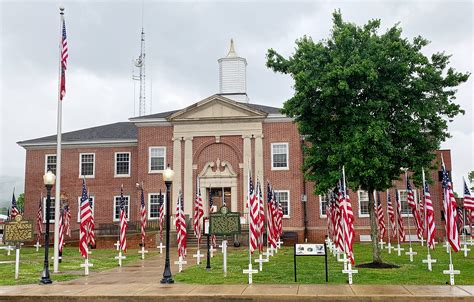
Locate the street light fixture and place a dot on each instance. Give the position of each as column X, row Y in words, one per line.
column 168, row 179
column 49, row 179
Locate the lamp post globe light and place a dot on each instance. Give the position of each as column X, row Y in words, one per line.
column 168, row 179
column 49, row 179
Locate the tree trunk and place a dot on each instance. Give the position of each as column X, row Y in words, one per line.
column 374, row 230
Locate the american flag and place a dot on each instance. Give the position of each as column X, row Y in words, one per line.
column 85, row 214
column 123, row 223
column 64, row 57
column 414, row 210
column 380, row 217
column 14, row 211
column 253, row 207
column 61, row 231
column 279, row 217
column 261, row 219
column 450, row 210
column 198, row 214
column 333, row 210
column 348, row 222
column 181, row 227
column 391, row 215
column 340, row 221
column 142, row 215
column 161, row 214
column 270, row 209
column 430, row 220
column 39, row 219
column 400, row 228
column 468, row 203
column 67, row 220
column 90, row 230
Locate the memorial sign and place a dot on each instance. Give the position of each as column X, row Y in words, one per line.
column 224, row 222
column 18, row 231
column 310, row 249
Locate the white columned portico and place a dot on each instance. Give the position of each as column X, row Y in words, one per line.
column 188, row 175
column 177, row 168
column 259, row 158
column 247, row 164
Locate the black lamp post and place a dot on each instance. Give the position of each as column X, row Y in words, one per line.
column 49, row 178
column 168, row 178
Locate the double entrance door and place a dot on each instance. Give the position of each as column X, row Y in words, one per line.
column 220, row 197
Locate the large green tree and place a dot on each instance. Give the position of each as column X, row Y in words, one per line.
column 370, row 101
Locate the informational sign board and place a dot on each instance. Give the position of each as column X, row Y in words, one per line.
column 18, row 231
column 310, row 249
column 224, row 222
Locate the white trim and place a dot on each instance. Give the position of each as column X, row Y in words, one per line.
column 150, row 171
column 400, row 196
column 287, row 156
column 149, row 205
column 51, row 208
column 46, row 162
column 79, row 207
column 80, row 166
column 80, row 143
column 289, row 211
column 358, row 200
column 321, row 215
column 128, row 207
column 129, row 164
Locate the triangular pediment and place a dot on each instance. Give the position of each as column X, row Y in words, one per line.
column 216, row 107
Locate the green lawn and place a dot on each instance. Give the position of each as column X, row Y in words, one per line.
column 311, row 269
column 31, row 264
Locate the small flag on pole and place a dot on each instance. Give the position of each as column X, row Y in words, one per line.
column 450, row 210
column 64, row 57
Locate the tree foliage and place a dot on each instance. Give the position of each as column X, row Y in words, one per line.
column 20, row 202
column 370, row 101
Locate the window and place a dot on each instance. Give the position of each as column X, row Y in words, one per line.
column 284, row 198
column 117, row 207
column 406, row 211
column 87, row 165
column 363, row 203
column 50, row 163
column 79, row 207
column 153, row 205
column 323, row 202
column 157, row 157
column 51, row 210
column 122, row 164
column 280, row 156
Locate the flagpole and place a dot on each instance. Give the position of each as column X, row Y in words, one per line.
column 397, row 221
column 425, row 220
column 389, row 224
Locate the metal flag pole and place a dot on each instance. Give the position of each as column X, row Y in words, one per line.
column 58, row 152
column 389, row 225
column 348, row 269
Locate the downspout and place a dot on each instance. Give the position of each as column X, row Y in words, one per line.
column 304, row 197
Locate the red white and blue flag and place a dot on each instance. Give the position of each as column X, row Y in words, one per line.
column 450, row 210
column 380, row 217
column 123, row 223
column 391, row 215
column 64, row 57
column 198, row 214
column 468, row 203
column 271, row 237
column 85, row 215
column 181, row 228
column 142, row 215
column 39, row 219
column 253, row 207
column 414, row 209
column 161, row 214
column 61, row 231
column 430, row 220
column 14, row 211
column 400, row 228
column 67, row 220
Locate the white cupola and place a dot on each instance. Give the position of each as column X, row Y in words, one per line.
column 233, row 76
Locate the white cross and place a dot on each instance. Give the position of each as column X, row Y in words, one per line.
column 198, row 256
column 161, row 247
column 428, row 260
column 8, row 248
column 212, row 250
column 86, row 266
column 143, row 252
column 465, row 249
column 260, row 261
column 349, row 271
column 117, row 245
column 37, row 245
column 345, row 260
column 120, row 257
column 422, row 240
column 451, row 272
column 411, row 253
column 279, row 243
column 250, row 271
column 338, row 255
column 446, row 245
column 59, row 257
column 389, row 247
column 89, row 251
column 399, row 249
column 381, row 242
column 267, row 253
column 180, row 263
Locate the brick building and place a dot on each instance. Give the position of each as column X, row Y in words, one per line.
column 216, row 140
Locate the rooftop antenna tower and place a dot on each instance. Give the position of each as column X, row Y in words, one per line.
column 140, row 64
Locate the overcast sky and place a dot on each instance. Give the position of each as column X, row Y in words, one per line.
column 183, row 42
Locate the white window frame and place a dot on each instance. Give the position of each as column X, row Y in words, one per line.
column 289, row 208
column 321, row 215
column 149, row 159
column 358, row 200
column 46, row 162
column 51, row 208
column 80, row 166
column 400, row 197
column 79, row 207
column 149, row 205
column 287, row 156
column 129, row 164
column 115, row 208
